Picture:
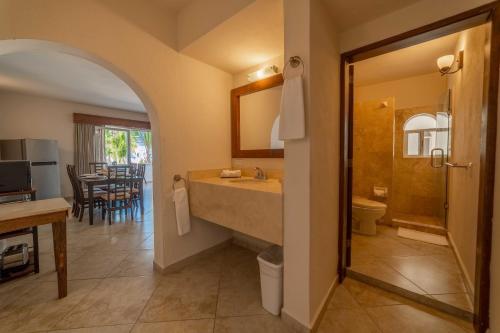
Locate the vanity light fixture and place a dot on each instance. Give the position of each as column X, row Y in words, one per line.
column 445, row 63
column 263, row 73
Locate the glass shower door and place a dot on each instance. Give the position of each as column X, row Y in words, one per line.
column 441, row 153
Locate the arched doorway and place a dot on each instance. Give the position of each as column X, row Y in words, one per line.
column 87, row 241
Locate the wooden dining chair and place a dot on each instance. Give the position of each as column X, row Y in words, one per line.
column 139, row 172
column 80, row 196
column 119, row 196
column 70, row 169
column 97, row 167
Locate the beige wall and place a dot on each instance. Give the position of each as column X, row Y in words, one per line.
column 296, row 185
column 311, row 166
column 201, row 16
column 373, row 135
column 153, row 19
column 325, row 152
column 421, row 90
column 28, row 116
column 186, row 100
column 467, row 92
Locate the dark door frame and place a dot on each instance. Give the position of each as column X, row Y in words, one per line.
column 487, row 13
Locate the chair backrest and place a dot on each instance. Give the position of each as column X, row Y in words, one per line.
column 70, row 169
column 118, row 171
column 97, row 167
column 75, row 183
column 133, row 169
column 141, row 170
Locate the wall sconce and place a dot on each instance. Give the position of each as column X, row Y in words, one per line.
column 263, row 73
column 445, row 63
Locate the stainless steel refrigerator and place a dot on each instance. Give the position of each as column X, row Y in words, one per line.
column 44, row 158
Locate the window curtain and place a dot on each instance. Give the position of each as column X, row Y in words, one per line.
column 85, row 148
column 99, row 144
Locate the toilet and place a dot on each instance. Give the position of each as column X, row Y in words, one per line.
column 365, row 214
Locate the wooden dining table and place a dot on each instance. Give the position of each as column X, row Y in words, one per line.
column 21, row 215
column 93, row 182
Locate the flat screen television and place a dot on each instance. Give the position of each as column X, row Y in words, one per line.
column 15, row 176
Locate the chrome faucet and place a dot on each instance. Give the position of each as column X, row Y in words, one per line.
column 260, row 174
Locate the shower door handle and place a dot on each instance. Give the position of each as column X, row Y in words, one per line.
column 467, row 165
column 434, row 159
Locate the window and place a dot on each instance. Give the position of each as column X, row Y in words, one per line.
column 140, row 147
column 125, row 146
column 423, row 133
column 116, row 142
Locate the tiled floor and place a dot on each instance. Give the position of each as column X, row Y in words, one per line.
column 113, row 289
column 358, row 308
column 420, row 267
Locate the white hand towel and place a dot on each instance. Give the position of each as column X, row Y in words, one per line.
column 230, row 173
column 181, row 203
column 292, row 122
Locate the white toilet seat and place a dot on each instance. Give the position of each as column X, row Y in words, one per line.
column 364, row 203
column 366, row 213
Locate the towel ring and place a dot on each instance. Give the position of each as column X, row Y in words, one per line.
column 294, row 62
column 178, row 178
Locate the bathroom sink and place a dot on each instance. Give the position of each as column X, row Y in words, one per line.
column 248, row 180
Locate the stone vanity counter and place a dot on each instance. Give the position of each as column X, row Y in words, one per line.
column 242, row 204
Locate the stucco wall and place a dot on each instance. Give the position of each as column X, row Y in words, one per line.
column 325, row 153
column 420, row 90
column 186, row 100
column 311, row 165
column 296, row 183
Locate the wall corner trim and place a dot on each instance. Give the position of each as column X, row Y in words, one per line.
column 324, row 305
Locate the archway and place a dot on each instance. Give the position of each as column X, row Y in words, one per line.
column 12, row 48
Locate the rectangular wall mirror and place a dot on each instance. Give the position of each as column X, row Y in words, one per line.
column 255, row 109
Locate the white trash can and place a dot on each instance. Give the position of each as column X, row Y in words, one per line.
column 271, row 278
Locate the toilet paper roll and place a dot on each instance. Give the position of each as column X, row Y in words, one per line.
column 380, row 192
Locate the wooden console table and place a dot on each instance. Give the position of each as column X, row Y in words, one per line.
column 21, row 215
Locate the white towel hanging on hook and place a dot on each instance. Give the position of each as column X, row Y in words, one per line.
column 292, row 118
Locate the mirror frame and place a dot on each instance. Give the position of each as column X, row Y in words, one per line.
column 236, row 93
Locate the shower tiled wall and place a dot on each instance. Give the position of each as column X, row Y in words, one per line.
column 414, row 187
column 373, row 149
column 418, row 189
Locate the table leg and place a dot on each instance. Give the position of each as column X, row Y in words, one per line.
column 59, row 236
column 91, row 203
column 141, row 196
column 36, row 257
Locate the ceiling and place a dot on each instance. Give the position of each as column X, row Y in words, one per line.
column 171, row 5
column 348, row 13
column 412, row 61
column 251, row 37
column 66, row 77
